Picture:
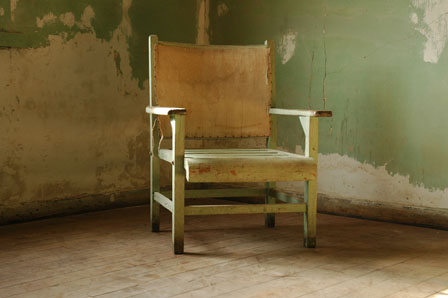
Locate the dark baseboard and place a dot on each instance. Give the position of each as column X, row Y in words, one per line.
column 411, row 215
column 61, row 207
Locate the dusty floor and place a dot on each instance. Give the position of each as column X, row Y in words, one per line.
column 113, row 254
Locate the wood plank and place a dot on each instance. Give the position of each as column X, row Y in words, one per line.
column 79, row 255
column 154, row 139
column 165, row 110
column 166, row 155
column 311, row 128
column 303, row 113
column 272, row 139
column 243, row 209
column 178, row 181
column 220, row 193
column 190, row 77
column 284, row 197
column 250, row 169
column 164, row 201
column 211, row 47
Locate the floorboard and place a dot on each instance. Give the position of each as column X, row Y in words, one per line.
column 114, row 254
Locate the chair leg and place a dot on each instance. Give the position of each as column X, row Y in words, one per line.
column 269, row 218
column 155, row 214
column 178, row 176
column 310, row 214
column 178, row 233
column 178, row 219
column 155, row 187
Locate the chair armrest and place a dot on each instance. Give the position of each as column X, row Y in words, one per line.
column 306, row 113
column 166, row 111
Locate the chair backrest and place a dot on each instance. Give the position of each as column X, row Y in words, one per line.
column 227, row 90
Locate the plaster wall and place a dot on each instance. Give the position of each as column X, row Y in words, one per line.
column 73, row 88
column 381, row 67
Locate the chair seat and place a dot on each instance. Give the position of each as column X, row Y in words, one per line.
column 244, row 165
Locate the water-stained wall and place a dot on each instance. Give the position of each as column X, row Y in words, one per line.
column 73, row 88
column 382, row 68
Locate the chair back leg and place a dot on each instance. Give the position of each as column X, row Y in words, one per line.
column 269, row 218
column 310, row 214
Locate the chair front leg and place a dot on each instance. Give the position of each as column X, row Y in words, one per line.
column 154, row 175
column 311, row 129
column 178, row 180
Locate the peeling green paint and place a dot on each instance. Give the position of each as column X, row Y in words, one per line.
column 173, row 20
column 24, row 20
column 389, row 105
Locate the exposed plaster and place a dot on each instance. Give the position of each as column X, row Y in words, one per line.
column 68, row 19
column 434, row 26
column 343, row 177
column 223, row 9
column 46, row 19
column 287, row 46
column 86, row 18
column 203, row 37
column 13, row 6
column 2, row 11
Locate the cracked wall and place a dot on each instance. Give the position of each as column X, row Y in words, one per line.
column 366, row 61
column 73, row 87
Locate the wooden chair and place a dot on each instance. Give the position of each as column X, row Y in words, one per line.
column 224, row 92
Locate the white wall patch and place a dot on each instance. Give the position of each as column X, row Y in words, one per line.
column 414, row 18
column 2, row 12
column 287, row 46
column 343, row 177
column 434, row 26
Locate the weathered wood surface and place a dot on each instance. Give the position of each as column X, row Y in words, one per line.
column 311, row 128
column 243, row 209
column 269, row 218
column 163, row 201
column 303, row 113
column 154, row 141
column 111, row 254
column 226, row 90
column 178, row 181
column 220, row 193
column 240, row 165
column 165, row 110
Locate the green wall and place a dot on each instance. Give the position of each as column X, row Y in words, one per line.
column 74, row 87
column 389, row 104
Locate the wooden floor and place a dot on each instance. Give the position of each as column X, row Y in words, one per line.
column 113, row 254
